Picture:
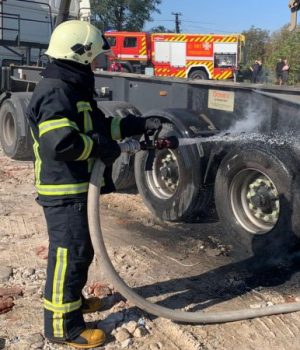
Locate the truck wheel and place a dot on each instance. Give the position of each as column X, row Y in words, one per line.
column 171, row 187
column 254, row 199
column 15, row 143
column 198, row 74
column 123, row 168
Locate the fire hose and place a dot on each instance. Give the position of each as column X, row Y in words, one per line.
column 200, row 317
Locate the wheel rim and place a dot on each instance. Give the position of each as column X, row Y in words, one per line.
column 9, row 128
column 163, row 179
column 254, row 201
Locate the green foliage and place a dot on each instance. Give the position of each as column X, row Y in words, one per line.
column 285, row 44
column 130, row 15
column 256, row 46
column 161, row 29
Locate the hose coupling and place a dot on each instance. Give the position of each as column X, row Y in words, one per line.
column 170, row 142
column 131, row 146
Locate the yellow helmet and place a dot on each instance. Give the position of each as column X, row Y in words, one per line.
column 77, row 41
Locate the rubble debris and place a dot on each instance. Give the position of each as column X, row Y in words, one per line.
column 34, row 341
column 42, row 252
column 126, row 343
column 11, row 291
column 6, row 304
column 7, row 296
column 131, row 326
column 140, row 332
column 98, row 289
column 122, row 334
column 5, row 273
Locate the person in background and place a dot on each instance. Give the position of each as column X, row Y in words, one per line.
column 285, row 72
column 279, row 66
column 256, row 70
column 69, row 132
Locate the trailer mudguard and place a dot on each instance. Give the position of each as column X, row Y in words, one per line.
column 190, row 124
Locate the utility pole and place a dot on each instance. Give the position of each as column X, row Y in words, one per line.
column 177, row 21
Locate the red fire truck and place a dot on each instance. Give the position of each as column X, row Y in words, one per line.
column 196, row 56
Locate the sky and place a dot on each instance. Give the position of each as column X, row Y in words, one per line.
column 222, row 16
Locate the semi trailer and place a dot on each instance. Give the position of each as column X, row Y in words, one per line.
column 238, row 148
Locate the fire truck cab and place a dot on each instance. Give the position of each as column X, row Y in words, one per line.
column 130, row 49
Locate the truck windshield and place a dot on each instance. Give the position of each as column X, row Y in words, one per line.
column 130, row 42
column 111, row 40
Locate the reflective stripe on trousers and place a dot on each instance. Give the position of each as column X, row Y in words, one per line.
column 70, row 254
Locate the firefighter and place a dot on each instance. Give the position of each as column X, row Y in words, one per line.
column 69, row 132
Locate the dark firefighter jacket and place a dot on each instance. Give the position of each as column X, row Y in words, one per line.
column 61, row 113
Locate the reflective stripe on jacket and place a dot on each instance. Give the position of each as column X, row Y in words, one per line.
column 60, row 116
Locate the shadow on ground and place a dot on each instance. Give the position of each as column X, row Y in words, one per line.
column 219, row 285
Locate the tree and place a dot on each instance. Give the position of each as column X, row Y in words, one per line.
column 161, row 29
column 269, row 48
column 119, row 15
column 286, row 44
column 257, row 41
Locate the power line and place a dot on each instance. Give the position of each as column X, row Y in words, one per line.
column 182, row 21
column 198, row 22
column 200, row 26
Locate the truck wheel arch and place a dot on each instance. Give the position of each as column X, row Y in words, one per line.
column 191, row 123
column 199, row 68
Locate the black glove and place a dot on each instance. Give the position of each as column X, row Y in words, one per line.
column 132, row 125
column 151, row 125
column 104, row 148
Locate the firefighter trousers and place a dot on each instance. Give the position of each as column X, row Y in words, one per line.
column 70, row 255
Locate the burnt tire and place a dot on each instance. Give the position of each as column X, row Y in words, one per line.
column 198, row 74
column 123, row 168
column 171, row 186
column 14, row 131
column 254, row 199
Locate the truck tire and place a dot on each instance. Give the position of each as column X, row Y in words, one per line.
column 254, row 200
column 171, row 189
column 198, row 74
column 14, row 131
column 123, row 168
